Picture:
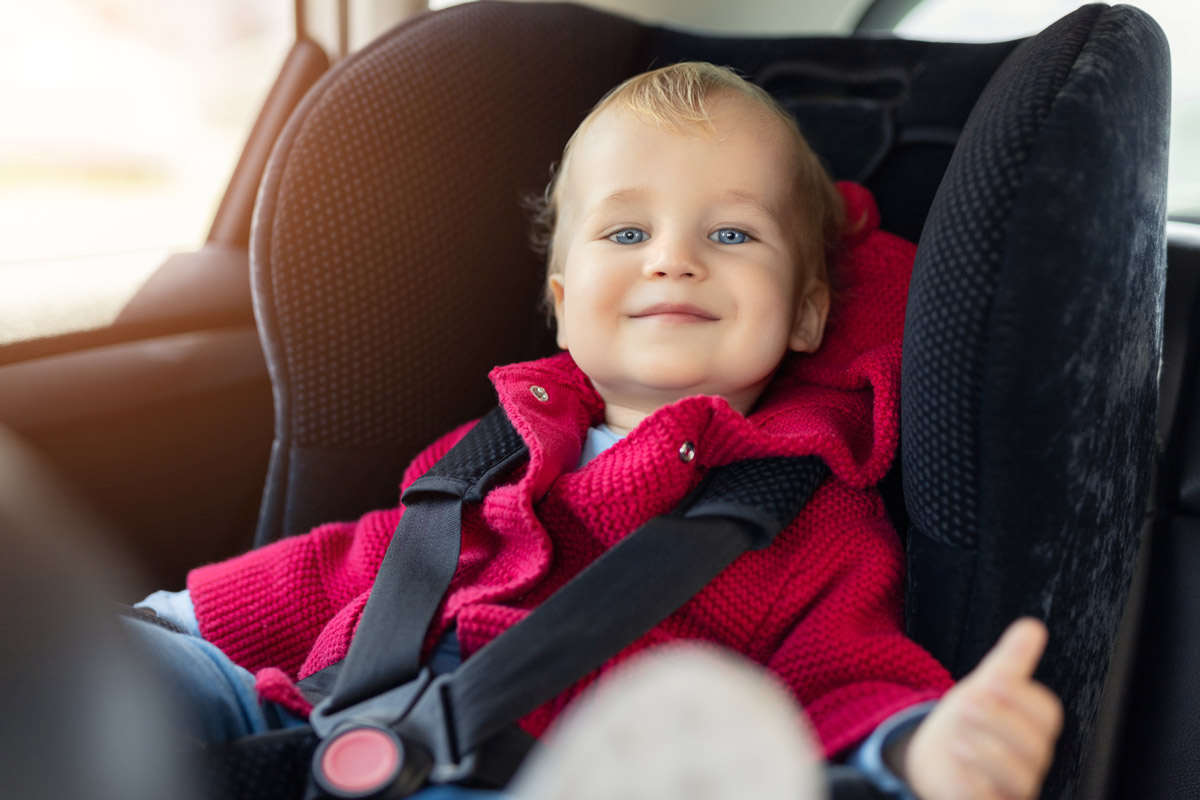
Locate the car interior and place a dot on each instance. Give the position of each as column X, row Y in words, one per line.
column 285, row 373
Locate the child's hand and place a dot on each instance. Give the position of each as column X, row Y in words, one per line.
column 992, row 736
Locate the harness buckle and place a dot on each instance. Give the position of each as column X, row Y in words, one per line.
column 390, row 745
column 431, row 721
column 383, row 709
column 361, row 761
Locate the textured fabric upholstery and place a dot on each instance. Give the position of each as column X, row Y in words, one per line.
column 391, row 271
column 1160, row 717
column 1031, row 356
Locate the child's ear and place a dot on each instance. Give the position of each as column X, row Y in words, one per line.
column 811, row 313
column 555, row 282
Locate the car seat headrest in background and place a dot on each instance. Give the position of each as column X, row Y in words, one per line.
column 1031, row 354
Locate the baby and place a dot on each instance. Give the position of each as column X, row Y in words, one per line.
column 681, row 264
column 689, row 227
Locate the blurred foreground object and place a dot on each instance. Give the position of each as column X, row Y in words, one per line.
column 679, row 723
column 83, row 718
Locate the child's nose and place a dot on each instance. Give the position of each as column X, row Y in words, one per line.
column 674, row 259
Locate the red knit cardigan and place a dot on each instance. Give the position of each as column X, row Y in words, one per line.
column 821, row 607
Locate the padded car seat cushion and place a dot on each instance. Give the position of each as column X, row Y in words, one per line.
column 1016, row 304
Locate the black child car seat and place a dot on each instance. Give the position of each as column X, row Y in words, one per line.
column 391, row 271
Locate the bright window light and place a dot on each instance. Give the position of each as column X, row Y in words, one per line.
column 123, row 120
column 966, row 20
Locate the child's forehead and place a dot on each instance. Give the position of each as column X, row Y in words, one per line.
column 721, row 112
column 619, row 140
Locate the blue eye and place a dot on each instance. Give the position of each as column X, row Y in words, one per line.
column 629, row 236
column 729, row 236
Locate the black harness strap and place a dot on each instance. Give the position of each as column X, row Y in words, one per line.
column 463, row 719
column 420, row 561
column 632, row 587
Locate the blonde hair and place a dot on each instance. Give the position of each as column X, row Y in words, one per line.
column 674, row 98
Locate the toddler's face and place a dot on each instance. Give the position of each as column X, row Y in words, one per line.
column 680, row 273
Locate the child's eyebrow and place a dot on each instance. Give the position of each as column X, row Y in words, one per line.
column 621, row 197
column 628, row 196
column 752, row 201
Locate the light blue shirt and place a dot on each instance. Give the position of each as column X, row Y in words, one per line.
column 599, row 439
column 174, row 607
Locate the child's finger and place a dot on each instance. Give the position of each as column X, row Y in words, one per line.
column 1001, row 700
column 1010, row 775
column 1027, row 722
column 1018, row 652
column 1038, row 704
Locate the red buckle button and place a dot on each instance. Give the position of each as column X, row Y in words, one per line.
column 359, row 762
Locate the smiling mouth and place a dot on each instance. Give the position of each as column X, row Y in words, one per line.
column 675, row 313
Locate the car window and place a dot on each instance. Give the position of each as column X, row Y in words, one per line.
column 967, row 20
column 123, row 120
column 779, row 17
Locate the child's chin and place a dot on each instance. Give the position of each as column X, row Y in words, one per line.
column 676, row 384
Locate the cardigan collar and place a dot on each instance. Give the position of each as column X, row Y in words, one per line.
column 853, row 427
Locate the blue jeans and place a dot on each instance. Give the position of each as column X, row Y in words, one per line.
column 218, row 698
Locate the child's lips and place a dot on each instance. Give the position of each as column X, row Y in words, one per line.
column 679, row 313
